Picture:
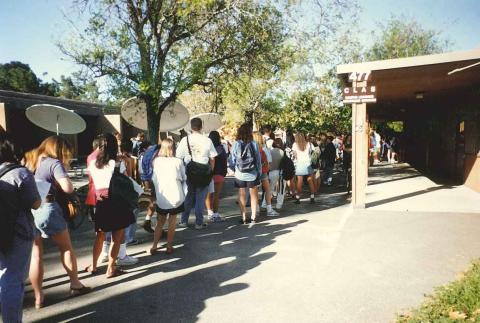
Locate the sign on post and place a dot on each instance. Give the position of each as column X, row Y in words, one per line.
column 364, row 94
column 361, row 92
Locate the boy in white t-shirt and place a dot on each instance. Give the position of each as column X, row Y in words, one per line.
column 202, row 151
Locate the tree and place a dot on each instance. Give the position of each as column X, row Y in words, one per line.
column 17, row 76
column 158, row 49
column 403, row 37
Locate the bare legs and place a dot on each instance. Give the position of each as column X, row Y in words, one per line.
column 268, row 191
column 216, row 196
column 117, row 238
column 67, row 257
column 36, row 270
column 253, row 202
column 172, row 221
column 311, row 185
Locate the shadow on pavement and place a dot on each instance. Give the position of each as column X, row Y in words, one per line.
column 234, row 249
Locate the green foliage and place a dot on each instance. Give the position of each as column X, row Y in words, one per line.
column 160, row 49
column 455, row 302
column 17, row 76
column 403, row 37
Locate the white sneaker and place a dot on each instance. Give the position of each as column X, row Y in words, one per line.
column 104, row 258
column 201, row 226
column 127, row 261
column 272, row 212
column 181, row 225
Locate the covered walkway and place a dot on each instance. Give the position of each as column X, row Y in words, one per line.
column 401, row 187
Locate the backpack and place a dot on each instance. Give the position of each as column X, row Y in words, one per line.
column 147, row 162
column 8, row 216
column 198, row 174
column 315, row 159
column 245, row 158
column 287, row 168
column 121, row 190
column 265, row 165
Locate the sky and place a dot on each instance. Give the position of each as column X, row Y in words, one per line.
column 29, row 29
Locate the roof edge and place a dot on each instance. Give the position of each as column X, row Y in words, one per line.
column 457, row 56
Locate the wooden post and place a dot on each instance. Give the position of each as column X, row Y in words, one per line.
column 3, row 117
column 359, row 154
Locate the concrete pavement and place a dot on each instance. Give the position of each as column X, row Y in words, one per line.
column 315, row 263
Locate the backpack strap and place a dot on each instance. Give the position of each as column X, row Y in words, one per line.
column 189, row 149
column 9, row 168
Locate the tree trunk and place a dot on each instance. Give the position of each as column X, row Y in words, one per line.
column 153, row 119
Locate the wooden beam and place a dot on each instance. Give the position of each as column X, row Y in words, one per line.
column 359, row 154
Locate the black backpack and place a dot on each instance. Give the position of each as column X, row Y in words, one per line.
column 121, row 191
column 287, row 168
column 198, row 174
column 8, row 215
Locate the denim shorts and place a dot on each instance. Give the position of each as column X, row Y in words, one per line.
column 302, row 169
column 49, row 219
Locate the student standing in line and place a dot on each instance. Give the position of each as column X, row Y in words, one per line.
column 264, row 180
column 48, row 163
column 109, row 216
column 219, row 173
column 169, row 180
column 302, row 151
column 247, row 163
column 198, row 149
column 18, row 195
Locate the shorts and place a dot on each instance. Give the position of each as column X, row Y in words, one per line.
column 49, row 219
column 177, row 210
column 246, row 184
column 302, row 169
column 218, row 179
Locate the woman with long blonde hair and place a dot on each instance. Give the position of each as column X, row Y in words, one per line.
column 49, row 162
column 302, row 151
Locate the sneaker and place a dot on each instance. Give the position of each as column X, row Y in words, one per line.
column 104, row 259
column 200, row 226
column 273, row 213
column 216, row 218
column 147, row 225
column 127, row 261
column 182, row 225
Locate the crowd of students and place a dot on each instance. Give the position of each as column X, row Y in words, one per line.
column 175, row 179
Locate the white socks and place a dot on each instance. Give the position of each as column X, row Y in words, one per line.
column 123, row 251
column 210, row 212
column 148, row 217
column 106, row 248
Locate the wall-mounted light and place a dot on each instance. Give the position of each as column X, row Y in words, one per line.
column 419, row 95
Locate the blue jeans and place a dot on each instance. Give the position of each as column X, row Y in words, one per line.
column 13, row 272
column 131, row 229
column 195, row 199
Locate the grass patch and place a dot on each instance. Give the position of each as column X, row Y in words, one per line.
column 458, row 301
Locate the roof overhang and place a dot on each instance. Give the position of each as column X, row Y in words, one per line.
column 406, row 80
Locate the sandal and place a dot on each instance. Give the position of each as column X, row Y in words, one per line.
column 117, row 272
column 88, row 269
column 39, row 305
column 80, row 291
column 151, row 251
column 169, row 250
